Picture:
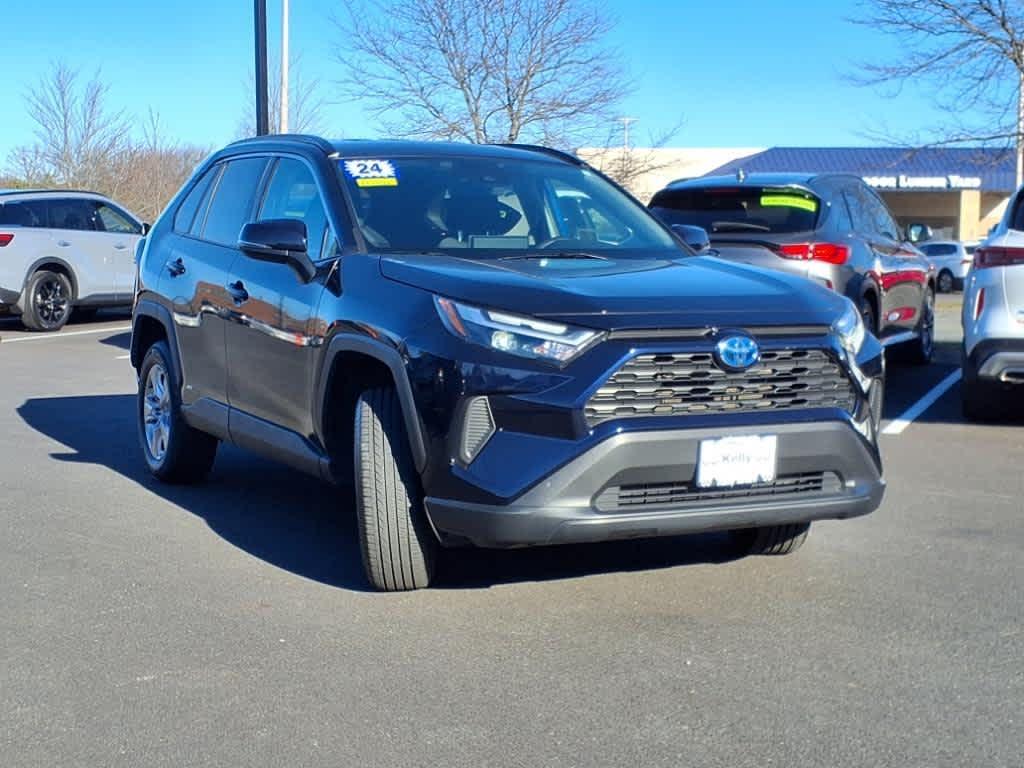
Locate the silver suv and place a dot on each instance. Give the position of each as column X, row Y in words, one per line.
column 62, row 250
column 993, row 318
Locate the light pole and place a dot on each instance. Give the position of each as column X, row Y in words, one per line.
column 283, row 128
column 262, row 112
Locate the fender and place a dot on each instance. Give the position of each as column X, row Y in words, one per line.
column 160, row 313
column 390, row 357
column 48, row 260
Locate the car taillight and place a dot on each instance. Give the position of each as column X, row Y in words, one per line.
column 5, row 238
column 827, row 252
column 991, row 256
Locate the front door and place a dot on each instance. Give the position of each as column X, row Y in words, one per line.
column 271, row 343
column 121, row 234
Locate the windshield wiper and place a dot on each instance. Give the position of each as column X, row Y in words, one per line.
column 724, row 226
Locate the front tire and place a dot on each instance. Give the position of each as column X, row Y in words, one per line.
column 772, row 539
column 48, row 302
column 174, row 451
column 398, row 547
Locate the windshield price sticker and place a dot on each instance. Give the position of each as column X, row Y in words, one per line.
column 372, row 173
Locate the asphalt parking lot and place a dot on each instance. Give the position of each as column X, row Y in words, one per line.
column 230, row 624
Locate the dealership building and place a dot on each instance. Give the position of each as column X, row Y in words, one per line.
column 959, row 192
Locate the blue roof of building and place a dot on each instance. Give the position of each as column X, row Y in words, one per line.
column 995, row 167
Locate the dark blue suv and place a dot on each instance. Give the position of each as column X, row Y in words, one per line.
column 497, row 347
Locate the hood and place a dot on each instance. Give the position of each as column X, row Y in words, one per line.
column 624, row 293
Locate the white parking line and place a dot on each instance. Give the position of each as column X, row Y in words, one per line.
column 51, row 336
column 896, row 426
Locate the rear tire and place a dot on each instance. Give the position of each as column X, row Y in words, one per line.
column 174, row 451
column 868, row 315
column 921, row 350
column 946, row 283
column 399, row 548
column 772, row 539
column 979, row 400
column 47, row 302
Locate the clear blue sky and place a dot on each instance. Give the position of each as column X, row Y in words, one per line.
column 738, row 72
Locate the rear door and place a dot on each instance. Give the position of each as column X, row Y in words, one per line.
column 77, row 240
column 198, row 266
column 270, row 346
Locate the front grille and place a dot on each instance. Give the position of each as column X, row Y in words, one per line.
column 627, row 497
column 692, row 384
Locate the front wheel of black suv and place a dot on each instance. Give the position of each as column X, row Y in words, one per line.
column 397, row 544
column 772, row 539
column 174, row 451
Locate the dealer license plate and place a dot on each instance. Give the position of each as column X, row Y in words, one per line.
column 730, row 461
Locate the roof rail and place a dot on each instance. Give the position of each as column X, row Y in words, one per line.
column 286, row 138
column 57, row 190
column 560, row 154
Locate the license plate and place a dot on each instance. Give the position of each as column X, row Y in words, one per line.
column 731, row 461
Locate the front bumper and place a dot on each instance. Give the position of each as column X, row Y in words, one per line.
column 571, row 505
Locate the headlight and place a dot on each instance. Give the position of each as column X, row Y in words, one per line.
column 514, row 334
column 849, row 328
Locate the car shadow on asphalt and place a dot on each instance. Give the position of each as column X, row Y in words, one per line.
column 121, row 340
column 308, row 527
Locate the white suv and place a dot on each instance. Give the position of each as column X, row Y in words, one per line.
column 63, row 250
column 993, row 319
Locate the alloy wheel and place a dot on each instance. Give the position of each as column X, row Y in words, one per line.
column 156, row 413
column 52, row 302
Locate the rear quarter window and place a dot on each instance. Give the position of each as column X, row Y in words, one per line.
column 752, row 210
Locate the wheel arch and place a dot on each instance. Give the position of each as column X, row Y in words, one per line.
column 51, row 264
column 366, row 362
column 152, row 322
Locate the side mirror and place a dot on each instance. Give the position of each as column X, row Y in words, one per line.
column 146, row 226
column 695, row 237
column 281, row 241
column 918, row 233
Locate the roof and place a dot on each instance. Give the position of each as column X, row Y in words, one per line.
column 385, row 148
column 988, row 169
column 753, row 179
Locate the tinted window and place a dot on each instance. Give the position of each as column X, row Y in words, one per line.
column 29, row 213
column 494, row 204
column 71, row 213
column 882, row 222
column 747, row 209
column 293, row 194
column 186, row 213
column 112, row 219
column 939, row 249
column 232, row 201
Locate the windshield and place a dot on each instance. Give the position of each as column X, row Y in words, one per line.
column 763, row 210
column 490, row 206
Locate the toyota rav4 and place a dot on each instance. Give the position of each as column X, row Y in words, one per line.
column 495, row 346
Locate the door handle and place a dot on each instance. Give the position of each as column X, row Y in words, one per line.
column 176, row 267
column 238, row 293
column 63, row 243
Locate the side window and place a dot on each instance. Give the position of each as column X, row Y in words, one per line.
column 71, row 213
column 293, row 194
column 232, row 200
column 885, row 225
column 114, row 220
column 862, row 222
column 22, row 214
column 195, row 201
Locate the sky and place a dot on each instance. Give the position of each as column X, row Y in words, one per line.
column 735, row 73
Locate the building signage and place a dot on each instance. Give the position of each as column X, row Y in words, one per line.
column 952, row 181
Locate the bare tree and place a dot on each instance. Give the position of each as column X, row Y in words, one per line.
column 970, row 53
column 626, row 163
column 306, row 102
column 482, row 70
column 80, row 142
column 77, row 135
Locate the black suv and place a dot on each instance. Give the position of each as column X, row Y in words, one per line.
column 495, row 346
column 831, row 228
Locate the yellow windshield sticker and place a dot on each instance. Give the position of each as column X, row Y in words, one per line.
column 378, row 182
column 789, row 201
